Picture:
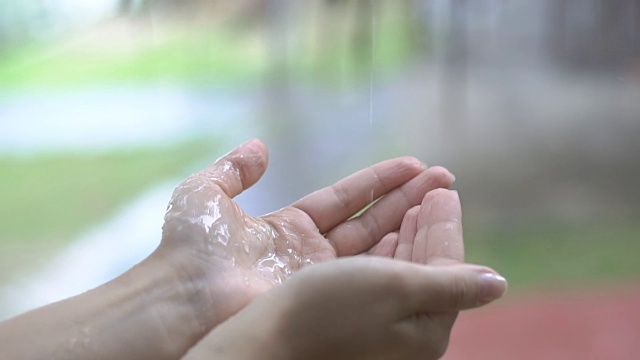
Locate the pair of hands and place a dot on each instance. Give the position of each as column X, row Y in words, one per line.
column 287, row 285
column 384, row 304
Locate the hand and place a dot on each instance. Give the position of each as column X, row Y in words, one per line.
column 370, row 308
column 214, row 259
column 357, row 308
column 430, row 234
column 234, row 257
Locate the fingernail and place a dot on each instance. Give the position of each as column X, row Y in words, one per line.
column 492, row 286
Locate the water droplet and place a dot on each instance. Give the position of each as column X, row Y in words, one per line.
column 274, row 268
column 308, row 262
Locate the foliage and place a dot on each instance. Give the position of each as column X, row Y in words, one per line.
column 117, row 52
column 563, row 256
column 51, row 198
column 180, row 56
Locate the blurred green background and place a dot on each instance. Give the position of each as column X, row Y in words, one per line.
column 533, row 105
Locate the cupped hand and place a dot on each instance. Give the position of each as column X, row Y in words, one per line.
column 356, row 308
column 368, row 307
column 233, row 257
column 430, row 234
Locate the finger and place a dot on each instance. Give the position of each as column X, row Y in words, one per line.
column 450, row 289
column 439, row 238
column 386, row 247
column 356, row 235
column 239, row 169
column 408, row 230
column 337, row 203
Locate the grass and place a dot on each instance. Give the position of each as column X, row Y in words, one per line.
column 47, row 201
column 563, row 256
column 191, row 55
column 50, row 199
column 344, row 61
column 67, row 192
column 182, row 56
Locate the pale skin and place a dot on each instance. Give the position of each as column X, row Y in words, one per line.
column 214, row 260
column 368, row 307
column 353, row 308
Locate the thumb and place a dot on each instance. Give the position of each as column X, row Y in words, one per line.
column 239, row 169
column 453, row 288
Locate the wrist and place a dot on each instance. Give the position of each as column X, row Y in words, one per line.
column 145, row 313
column 148, row 312
column 175, row 302
column 253, row 333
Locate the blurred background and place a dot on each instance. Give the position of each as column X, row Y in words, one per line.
column 534, row 105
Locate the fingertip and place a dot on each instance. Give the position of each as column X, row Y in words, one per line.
column 435, row 177
column 387, row 246
column 443, row 176
column 412, row 214
column 409, row 220
column 436, row 194
column 240, row 168
column 406, row 239
column 451, row 288
column 492, row 286
column 406, row 167
column 256, row 145
column 254, row 159
column 414, row 162
column 258, row 148
column 441, row 205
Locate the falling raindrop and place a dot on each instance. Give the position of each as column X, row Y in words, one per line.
column 373, row 60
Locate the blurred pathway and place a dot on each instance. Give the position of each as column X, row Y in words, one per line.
column 94, row 258
column 105, row 118
column 304, row 155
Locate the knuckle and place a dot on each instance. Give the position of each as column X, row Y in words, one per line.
column 341, row 194
column 461, row 292
column 412, row 214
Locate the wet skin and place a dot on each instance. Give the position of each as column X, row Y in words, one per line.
column 214, row 259
column 235, row 257
column 400, row 303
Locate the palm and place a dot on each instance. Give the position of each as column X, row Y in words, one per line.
column 244, row 256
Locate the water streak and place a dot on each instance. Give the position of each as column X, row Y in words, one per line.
column 373, row 60
column 273, row 266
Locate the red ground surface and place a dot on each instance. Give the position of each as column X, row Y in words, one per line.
column 585, row 326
